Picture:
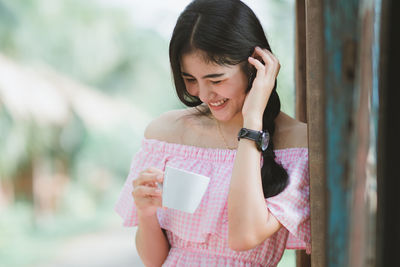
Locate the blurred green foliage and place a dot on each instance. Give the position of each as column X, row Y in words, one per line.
column 94, row 44
column 98, row 46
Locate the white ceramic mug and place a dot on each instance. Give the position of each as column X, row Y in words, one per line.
column 183, row 190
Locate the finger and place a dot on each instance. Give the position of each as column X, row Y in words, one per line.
column 152, row 177
column 145, row 191
column 266, row 55
column 273, row 59
column 148, row 178
column 148, row 203
column 154, row 170
column 256, row 63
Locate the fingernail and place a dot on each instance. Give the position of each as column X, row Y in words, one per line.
column 158, row 191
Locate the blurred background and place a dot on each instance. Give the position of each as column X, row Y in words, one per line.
column 79, row 81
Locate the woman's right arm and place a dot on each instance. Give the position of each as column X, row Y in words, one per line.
column 151, row 243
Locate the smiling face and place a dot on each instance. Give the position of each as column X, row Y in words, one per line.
column 222, row 88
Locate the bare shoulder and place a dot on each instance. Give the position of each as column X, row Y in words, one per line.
column 289, row 132
column 168, row 127
column 299, row 134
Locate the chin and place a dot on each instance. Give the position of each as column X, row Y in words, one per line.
column 224, row 117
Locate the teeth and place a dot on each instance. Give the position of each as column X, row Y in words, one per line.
column 219, row 103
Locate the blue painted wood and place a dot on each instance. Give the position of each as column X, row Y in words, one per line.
column 375, row 73
column 341, row 41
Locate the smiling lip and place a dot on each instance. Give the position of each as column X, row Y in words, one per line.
column 218, row 107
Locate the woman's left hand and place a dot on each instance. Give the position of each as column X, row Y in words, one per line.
column 258, row 96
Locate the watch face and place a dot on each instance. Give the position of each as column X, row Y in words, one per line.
column 264, row 141
column 261, row 138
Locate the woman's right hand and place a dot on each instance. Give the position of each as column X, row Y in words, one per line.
column 146, row 193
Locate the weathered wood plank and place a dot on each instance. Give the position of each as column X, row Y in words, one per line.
column 388, row 236
column 316, row 133
column 302, row 259
column 363, row 215
column 341, row 42
column 300, row 62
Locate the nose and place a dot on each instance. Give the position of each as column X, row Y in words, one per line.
column 206, row 93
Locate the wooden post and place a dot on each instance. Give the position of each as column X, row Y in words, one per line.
column 363, row 174
column 302, row 259
column 342, row 120
column 316, row 134
column 341, row 37
column 300, row 64
column 388, row 232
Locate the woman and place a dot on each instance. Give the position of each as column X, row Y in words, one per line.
column 256, row 204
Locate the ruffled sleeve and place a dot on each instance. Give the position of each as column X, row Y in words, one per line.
column 142, row 160
column 291, row 207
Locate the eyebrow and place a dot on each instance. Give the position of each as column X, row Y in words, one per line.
column 213, row 75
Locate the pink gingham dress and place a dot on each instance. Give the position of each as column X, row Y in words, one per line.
column 201, row 238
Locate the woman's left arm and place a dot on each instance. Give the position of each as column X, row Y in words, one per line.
column 249, row 220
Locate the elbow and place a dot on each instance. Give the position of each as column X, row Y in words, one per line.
column 238, row 247
column 152, row 264
column 243, row 243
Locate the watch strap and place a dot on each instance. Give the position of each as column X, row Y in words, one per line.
column 249, row 134
column 261, row 138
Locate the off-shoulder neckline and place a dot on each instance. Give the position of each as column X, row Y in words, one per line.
column 213, row 148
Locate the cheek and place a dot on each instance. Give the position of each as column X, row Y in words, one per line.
column 233, row 90
column 191, row 89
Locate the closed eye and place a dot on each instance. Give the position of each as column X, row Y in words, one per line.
column 190, row 80
column 216, row 82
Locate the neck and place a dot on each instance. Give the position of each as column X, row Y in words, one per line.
column 234, row 123
column 229, row 130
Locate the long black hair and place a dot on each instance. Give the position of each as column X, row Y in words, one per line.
column 227, row 31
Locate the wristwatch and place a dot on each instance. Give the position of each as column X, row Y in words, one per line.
column 260, row 137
